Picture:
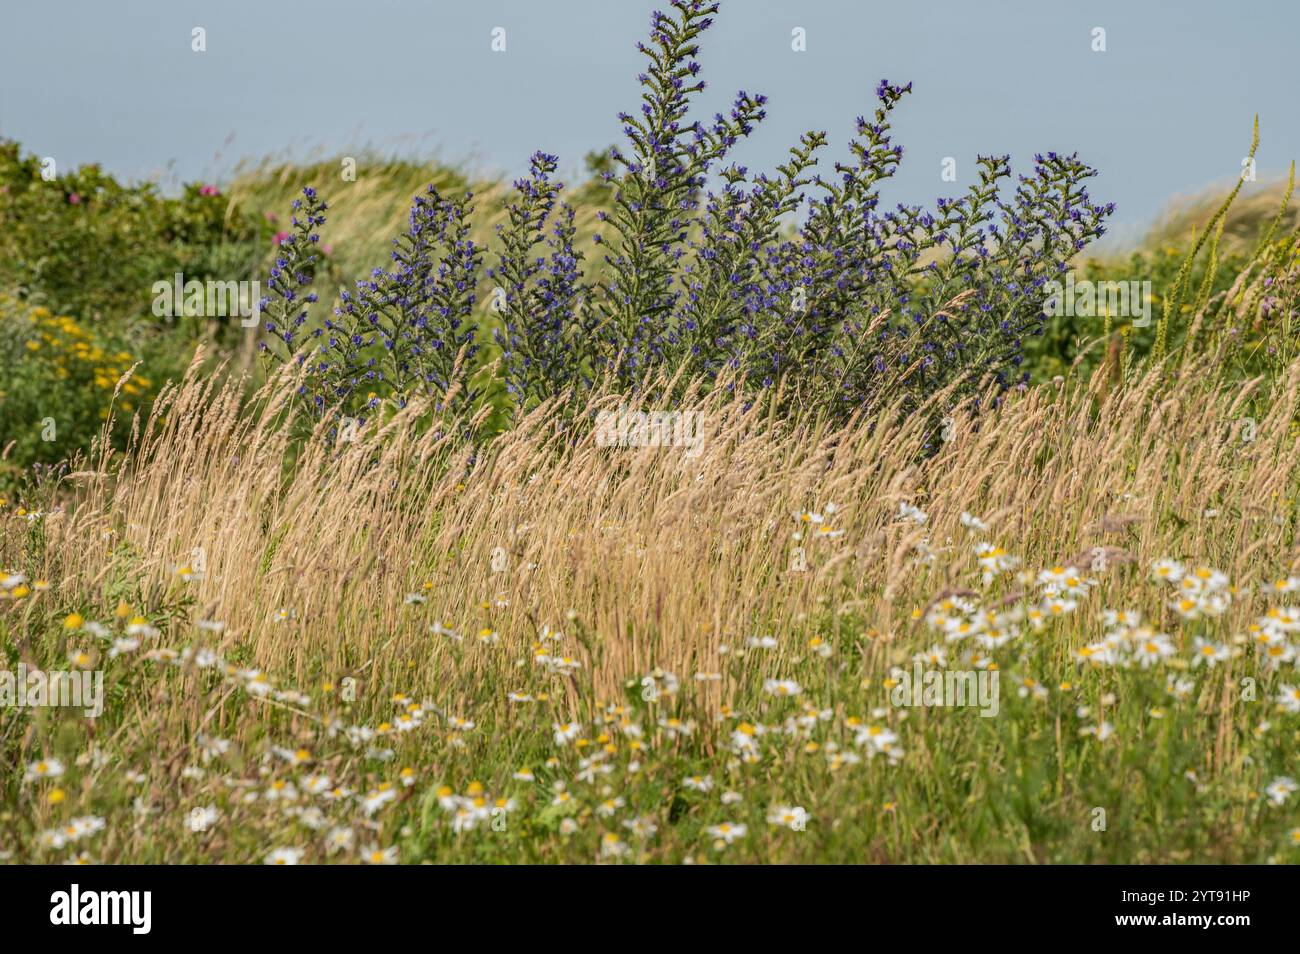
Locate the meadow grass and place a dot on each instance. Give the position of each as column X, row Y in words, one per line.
column 385, row 650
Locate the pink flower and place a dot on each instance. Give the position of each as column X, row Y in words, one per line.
column 327, row 249
column 74, row 199
column 280, row 237
column 209, row 190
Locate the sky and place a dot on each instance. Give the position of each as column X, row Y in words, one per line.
column 1164, row 110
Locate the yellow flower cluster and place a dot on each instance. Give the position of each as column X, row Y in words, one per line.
column 69, row 350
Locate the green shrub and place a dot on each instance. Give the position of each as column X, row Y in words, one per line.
column 1066, row 336
column 56, row 394
column 85, row 245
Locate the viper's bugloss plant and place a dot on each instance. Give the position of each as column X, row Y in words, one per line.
column 286, row 309
column 409, row 331
column 538, row 296
column 404, row 332
column 794, row 279
column 656, row 203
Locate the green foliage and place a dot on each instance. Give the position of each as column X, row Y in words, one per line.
column 62, row 376
column 1222, row 301
column 87, row 246
column 1067, row 337
column 80, row 254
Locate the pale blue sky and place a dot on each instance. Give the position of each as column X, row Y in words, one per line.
column 1165, row 110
